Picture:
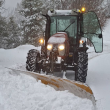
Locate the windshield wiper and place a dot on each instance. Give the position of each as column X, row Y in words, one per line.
column 69, row 25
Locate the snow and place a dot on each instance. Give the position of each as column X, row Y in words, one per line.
column 99, row 79
column 61, row 12
column 106, row 32
column 21, row 92
column 15, row 56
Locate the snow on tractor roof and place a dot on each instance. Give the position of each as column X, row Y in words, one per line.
column 61, row 12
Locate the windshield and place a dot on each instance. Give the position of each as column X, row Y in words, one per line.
column 64, row 23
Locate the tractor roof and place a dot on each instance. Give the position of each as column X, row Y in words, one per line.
column 61, row 12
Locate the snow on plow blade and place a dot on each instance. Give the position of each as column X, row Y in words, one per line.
column 77, row 88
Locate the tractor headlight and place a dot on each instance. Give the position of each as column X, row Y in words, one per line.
column 49, row 47
column 61, row 47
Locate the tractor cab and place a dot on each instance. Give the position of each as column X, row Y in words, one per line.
column 78, row 25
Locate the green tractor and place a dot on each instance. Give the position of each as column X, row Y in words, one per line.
column 64, row 47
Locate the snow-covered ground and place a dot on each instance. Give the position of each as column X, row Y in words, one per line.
column 21, row 92
column 99, row 80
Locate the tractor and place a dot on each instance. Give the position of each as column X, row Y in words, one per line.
column 64, row 46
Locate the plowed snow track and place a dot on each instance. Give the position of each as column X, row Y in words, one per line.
column 99, row 79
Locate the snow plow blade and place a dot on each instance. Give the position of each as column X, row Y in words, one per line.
column 77, row 88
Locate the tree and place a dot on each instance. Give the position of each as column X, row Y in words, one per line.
column 3, row 32
column 13, row 33
column 9, row 33
column 1, row 2
column 33, row 23
column 107, row 8
column 2, row 26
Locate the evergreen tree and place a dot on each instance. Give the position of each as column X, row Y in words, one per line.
column 13, row 33
column 1, row 3
column 3, row 32
column 12, row 27
column 33, row 23
column 107, row 5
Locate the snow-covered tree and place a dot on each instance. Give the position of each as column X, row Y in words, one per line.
column 13, row 33
column 107, row 7
column 17, row 16
column 12, row 27
column 33, row 22
column 3, row 31
column 1, row 3
column 9, row 33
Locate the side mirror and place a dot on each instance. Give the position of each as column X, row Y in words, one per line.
column 100, row 36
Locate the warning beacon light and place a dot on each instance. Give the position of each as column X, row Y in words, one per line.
column 83, row 9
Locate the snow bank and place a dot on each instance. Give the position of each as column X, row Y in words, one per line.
column 15, row 56
column 21, row 92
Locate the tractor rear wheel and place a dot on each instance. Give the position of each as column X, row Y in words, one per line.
column 82, row 67
column 32, row 60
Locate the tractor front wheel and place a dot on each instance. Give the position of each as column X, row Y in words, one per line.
column 32, row 60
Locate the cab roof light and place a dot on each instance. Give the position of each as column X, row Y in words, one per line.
column 83, row 9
